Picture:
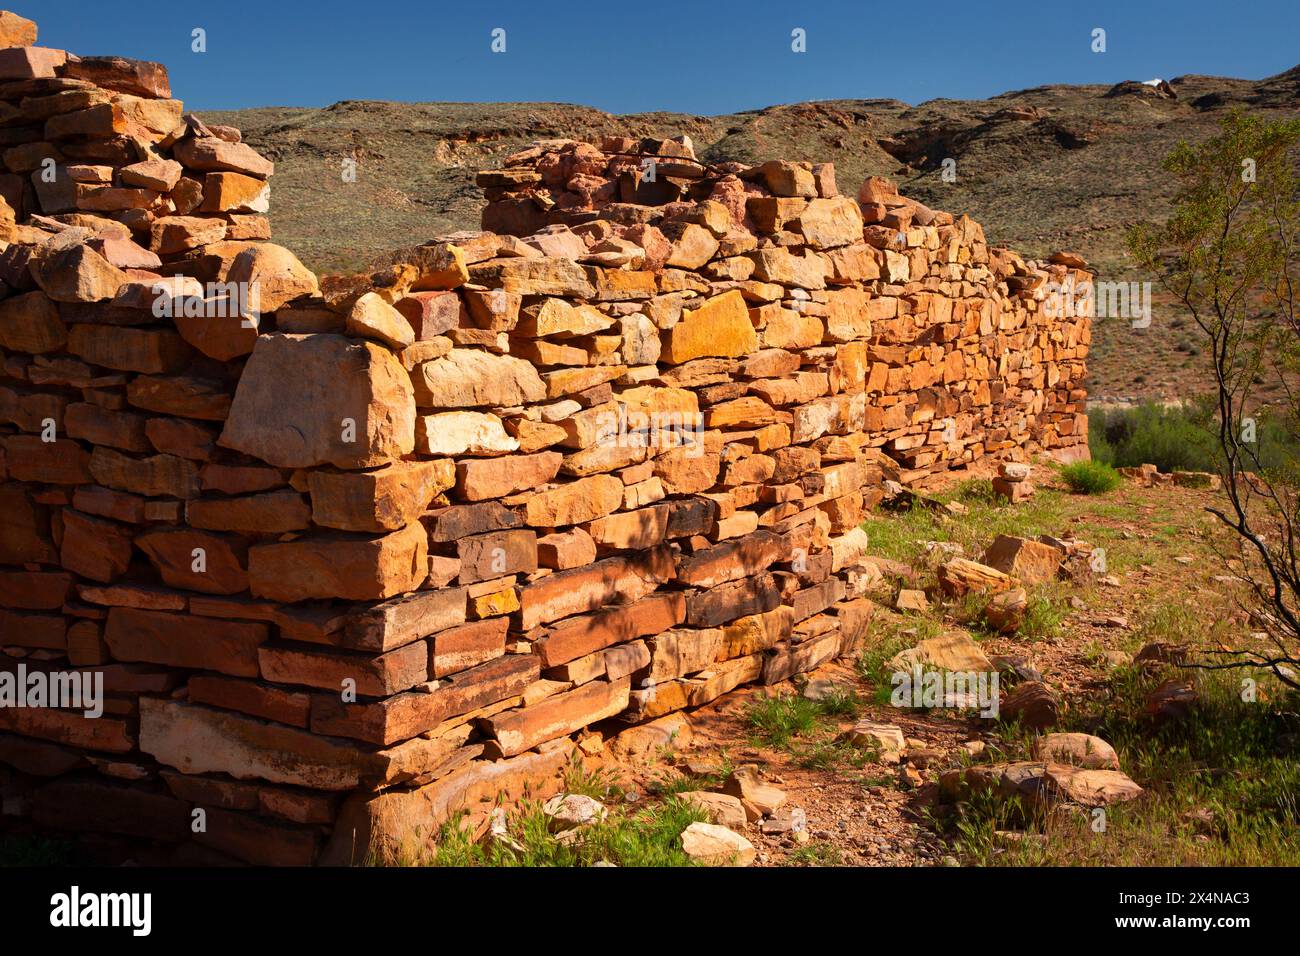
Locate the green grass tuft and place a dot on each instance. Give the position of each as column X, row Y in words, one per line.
column 1090, row 477
column 778, row 720
column 650, row 836
column 815, row 853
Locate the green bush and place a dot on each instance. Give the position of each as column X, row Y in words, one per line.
column 1183, row 438
column 1177, row 438
column 1090, row 477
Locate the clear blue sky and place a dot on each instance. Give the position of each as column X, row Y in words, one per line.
column 699, row 56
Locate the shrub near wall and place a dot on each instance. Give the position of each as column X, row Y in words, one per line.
column 381, row 548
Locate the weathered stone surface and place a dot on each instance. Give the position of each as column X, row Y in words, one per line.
column 620, row 580
column 685, row 471
column 785, row 178
column 519, row 730
column 152, row 476
column 34, row 590
column 403, row 716
column 626, row 659
column 175, row 234
column 31, row 62
column 68, row 727
column 432, row 313
column 640, row 529
column 69, row 271
column 16, row 31
column 136, row 77
column 370, row 675
column 59, row 462
column 1087, row 787
column 458, row 521
column 575, row 502
column 35, row 411
column 961, row 576
column 720, row 327
column 713, row 845
column 496, row 554
column 536, row 276
column 791, row 659
column 351, row 567
column 271, row 275
column 383, row 499
column 1013, row 491
column 46, row 632
column 223, row 335
column 569, row 811
column 235, row 192
column 467, row 377
column 460, row 648
column 1030, row 561
column 1081, row 750
column 562, row 550
column 1005, row 612
column 480, row 479
column 184, row 439
column 180, row 640
column 372, row 318
column 270, row 512
column 462, row 433
column 559, row 319
column 726, row 602
column 677, row 653
column 161, row 175
column 24, row 528
column 1033, row 704
column 441, row 265
column 94, row 548
column 877, row 736
column 402, row 620
column 732, row 560
column 30, row 323
column 954, row 651
column 746, row 784
column 183, row 395
column 779, row 265
column 723, row 809
column 350, row 404
column 579, row 636
column 196, row 560
column 249, row 697
column 826, row 223
column 196, row 739
column 210, row 154
column 496, row 680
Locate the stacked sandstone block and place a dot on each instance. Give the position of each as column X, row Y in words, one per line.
column 959, row 356
column 384, row 547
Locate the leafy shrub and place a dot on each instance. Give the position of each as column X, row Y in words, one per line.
column 1182, row 438
column 1177, row 438
column 1090, row 477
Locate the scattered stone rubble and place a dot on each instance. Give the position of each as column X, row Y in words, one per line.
column 354, row 553
column 1149, row 476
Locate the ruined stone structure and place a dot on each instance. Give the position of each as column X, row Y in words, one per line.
column 353, row 554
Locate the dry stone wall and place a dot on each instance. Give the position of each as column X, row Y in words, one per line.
column 351, row 554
